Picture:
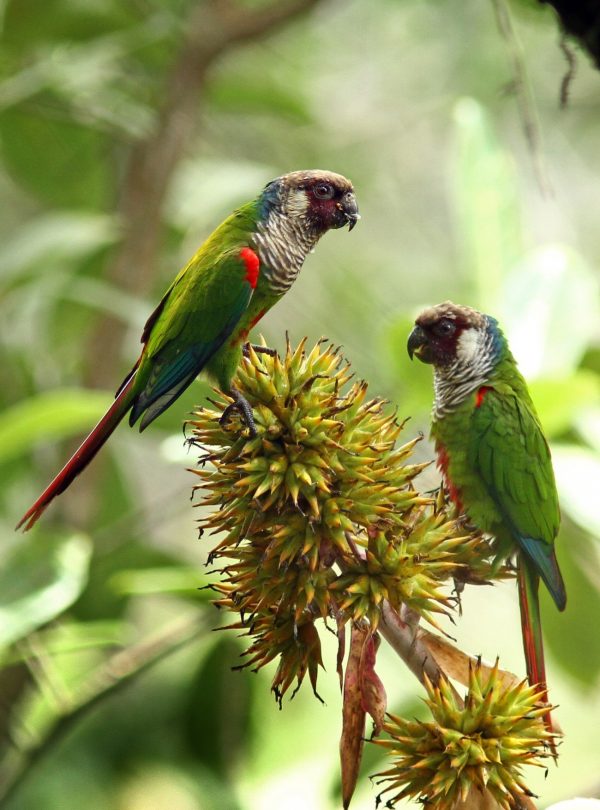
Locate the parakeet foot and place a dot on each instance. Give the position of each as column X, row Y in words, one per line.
column 241, row 404
column 258, row 349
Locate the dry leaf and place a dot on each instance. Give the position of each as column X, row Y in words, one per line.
column 353, row 716
column 374, row 698
column 455, row 663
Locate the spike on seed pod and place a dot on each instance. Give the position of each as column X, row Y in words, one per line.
column 317, row 514
column 483, row 743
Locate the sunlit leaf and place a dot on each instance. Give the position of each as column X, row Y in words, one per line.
column 578, row 475
column 549, row 309
column 587, row 423
column 171, row 579
column 486, row 195
column 105, row 297
column 570, row 635
column 73, row 637
column 38, row 582
column 203, row 191
column 558, row 400
column 50, row 415
column 55, row 237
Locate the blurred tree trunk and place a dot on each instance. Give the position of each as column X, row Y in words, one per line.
column 213, row 29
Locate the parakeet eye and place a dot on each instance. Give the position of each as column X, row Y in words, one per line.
column 444, row 328
column 324, row 191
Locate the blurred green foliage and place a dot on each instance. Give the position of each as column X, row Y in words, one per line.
column 413, row 101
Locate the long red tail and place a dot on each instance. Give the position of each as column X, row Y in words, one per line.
column 82, row 456
column 531, row 627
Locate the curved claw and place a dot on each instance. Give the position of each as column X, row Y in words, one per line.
column 241, row 404
column 258, row 350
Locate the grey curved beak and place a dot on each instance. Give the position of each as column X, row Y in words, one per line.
column 349, row 208
column 417, row 340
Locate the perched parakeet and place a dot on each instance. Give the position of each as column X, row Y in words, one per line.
column 493, row 454
column 204, row 318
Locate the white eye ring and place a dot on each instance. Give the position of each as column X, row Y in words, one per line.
column 324, row 191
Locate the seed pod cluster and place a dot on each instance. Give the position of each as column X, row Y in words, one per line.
column 317, row 513
column 479, row 746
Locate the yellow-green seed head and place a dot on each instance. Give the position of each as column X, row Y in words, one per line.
column 317, row 514
column 481, row 745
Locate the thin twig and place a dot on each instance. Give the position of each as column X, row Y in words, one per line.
column 43, row 672
column 525, row 99
column 567, row 80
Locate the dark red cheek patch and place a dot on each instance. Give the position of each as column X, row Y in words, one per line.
column 480, row 395
column 252, row 263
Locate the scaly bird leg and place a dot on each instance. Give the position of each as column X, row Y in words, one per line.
column 241, row 404
column 258, row 349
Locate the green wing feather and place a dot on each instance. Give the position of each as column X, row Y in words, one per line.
column 195, row 317
column 508, row 450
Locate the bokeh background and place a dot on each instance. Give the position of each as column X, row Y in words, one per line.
column 128, row 130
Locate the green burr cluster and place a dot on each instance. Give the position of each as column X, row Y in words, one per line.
column 317, row 514
column 480, row 744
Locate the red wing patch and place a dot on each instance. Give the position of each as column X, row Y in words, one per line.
column 442, row 464
column 480, row 395
column 252, row 262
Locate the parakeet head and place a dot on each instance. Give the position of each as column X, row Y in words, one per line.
column 451, row 336
column 463, row 346
column 313, row 199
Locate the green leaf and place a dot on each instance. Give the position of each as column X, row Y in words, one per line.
column 28, row 22
column 37, row 583
column 486, row 196
column 558, row 400
column 55, row 158
column 171, row 579
column 570, row 635
column 587, row 423
column 577, row 475
column 549, row 310
column 218, row 710
column 73, row 637
column 204, row 190
column 55, row 238
column 258, row 94
column 105, row 297
column 51, row 415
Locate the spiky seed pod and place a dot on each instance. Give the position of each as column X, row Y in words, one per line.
column 408, row 564
column 317, row 512
column 481, row 745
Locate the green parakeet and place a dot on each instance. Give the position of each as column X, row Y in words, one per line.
column 204, row 318
column 493, row 454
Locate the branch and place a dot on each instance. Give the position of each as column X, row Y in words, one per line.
column 405, row 638
column 214, row 27
column 425, row 653
column 525, row 99
column 118, row 672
